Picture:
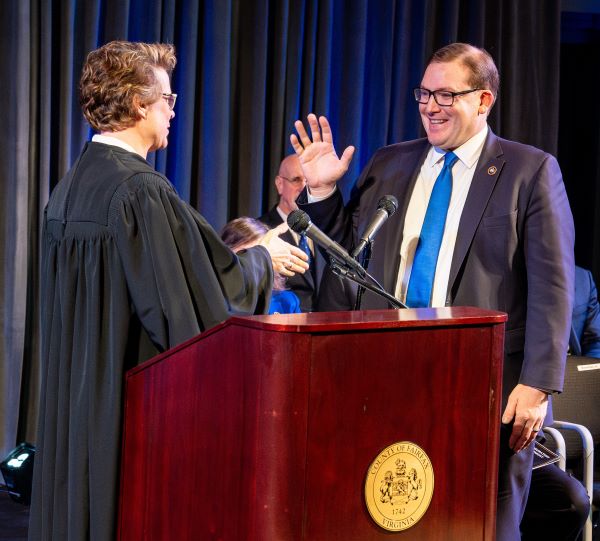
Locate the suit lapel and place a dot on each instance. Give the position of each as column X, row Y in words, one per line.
column 407, row 172
column 486, row 175
column 274, row 217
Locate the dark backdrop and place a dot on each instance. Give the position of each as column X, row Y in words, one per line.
column 247, row 69
column 579, row 134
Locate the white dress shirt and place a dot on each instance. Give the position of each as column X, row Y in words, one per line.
column 108, row 140
column 462, row 176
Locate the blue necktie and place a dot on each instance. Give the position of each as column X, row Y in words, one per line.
column 428, row 248
column 303, row 245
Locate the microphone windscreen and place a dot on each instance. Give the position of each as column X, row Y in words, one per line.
column 298, row 221
column 388, row 203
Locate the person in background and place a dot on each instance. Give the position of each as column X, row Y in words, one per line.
column 558, row 504
column 585, row 326
column 289, row 182
column 482, row 221
column 243, row 233
column 128, row 271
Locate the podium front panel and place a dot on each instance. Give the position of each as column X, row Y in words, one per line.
column 264, row 428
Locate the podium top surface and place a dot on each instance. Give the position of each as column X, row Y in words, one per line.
column 340, row 322
column 371, row 319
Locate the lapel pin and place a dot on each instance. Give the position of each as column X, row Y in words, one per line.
column 492, row 170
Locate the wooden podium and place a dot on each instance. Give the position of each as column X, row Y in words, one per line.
column 264, row 428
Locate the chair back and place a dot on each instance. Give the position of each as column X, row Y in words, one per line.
column 579, row 402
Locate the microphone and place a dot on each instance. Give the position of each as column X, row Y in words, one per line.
column 386, row 206
column 299, row 222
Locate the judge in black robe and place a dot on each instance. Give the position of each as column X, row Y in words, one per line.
column 129, row 270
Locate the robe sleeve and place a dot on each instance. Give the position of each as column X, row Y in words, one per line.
column 181, row 278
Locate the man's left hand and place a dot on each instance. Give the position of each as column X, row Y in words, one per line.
column 528, row 407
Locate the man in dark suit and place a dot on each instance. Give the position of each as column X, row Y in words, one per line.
column 506, row 239
column 585, row 328
column 290, row 182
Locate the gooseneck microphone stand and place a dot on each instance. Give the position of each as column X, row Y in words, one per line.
column 366, row 259
column 364, row 280
column 345, row 272
column 341, row 262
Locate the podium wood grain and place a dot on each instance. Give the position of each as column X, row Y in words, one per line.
column 263, row 428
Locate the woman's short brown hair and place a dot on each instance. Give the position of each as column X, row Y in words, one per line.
column 116, row 72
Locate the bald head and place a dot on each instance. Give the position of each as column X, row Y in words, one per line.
column 290, row 182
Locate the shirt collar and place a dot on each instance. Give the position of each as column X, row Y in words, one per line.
column 282, row 214
column 468, row 153
column 109, row 140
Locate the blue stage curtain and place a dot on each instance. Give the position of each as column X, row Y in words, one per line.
column 246, row 70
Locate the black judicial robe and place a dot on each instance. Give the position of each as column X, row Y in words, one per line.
column 128, row 270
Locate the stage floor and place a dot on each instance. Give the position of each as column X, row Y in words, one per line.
column 13, row 518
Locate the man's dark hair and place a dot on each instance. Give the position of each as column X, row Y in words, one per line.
column 484, row 73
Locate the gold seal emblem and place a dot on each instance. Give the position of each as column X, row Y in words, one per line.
column 492, row 170
column 399, row 486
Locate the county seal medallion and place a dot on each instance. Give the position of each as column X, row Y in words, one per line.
column 399, row 486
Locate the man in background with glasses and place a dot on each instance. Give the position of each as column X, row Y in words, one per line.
column 482, row 221
column 289, row 182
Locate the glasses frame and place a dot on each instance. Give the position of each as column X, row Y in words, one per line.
column 170, row 99
column 293, row 181
column 434, row 92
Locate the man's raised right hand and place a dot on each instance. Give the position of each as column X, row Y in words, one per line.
column 319, row 161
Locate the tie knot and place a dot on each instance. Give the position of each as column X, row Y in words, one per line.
column 450, row 159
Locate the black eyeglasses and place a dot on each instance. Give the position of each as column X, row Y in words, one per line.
column 170, row 98
column 444, row 98
column 296, row 180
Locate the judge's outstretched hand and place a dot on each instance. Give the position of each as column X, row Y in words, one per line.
column 320, row 163
column 286, row 258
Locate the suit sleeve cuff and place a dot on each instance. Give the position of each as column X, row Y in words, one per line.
column 314, row 199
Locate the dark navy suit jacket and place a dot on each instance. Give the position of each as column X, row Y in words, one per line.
column 513, row 252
